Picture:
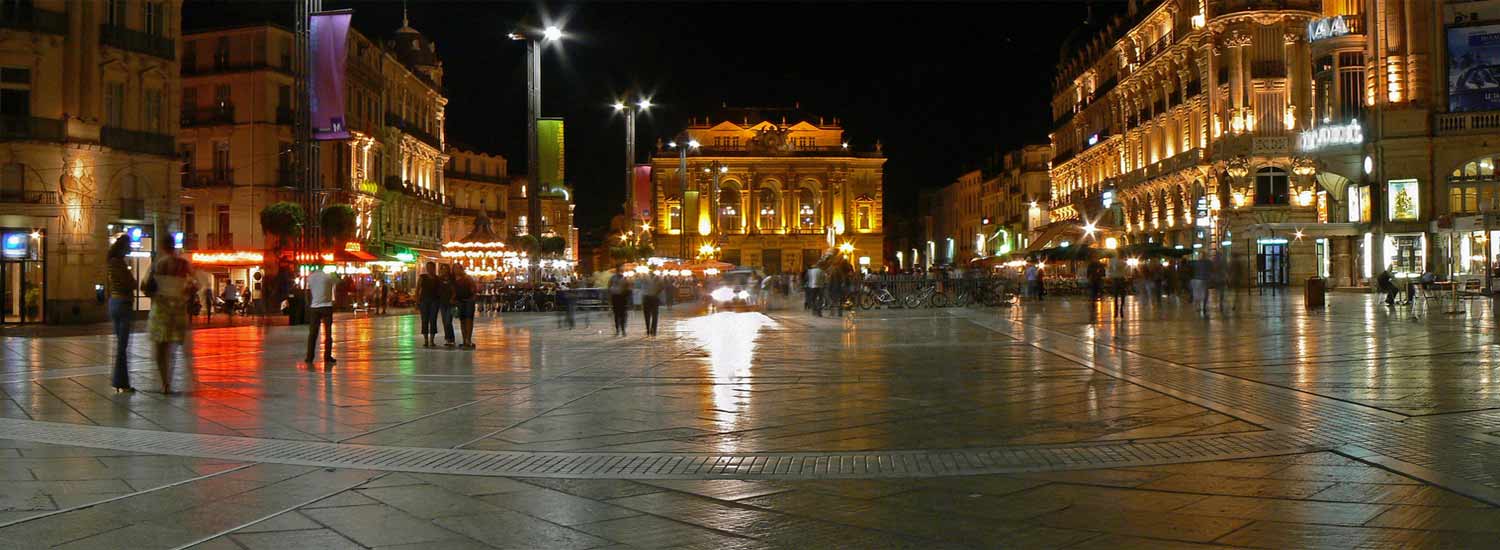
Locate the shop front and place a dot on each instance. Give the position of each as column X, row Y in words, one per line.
column 242, row 268
column 23, row 276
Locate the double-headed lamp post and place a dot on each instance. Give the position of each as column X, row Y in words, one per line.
column 533, row 113
column 687, row 142
column 629, row 111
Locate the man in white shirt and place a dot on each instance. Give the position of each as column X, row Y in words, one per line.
column 320, row 288
column 815, row 289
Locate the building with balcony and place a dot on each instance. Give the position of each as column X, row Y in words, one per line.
column 557, row 213
column 477, row 182
column 960, row 220
column 1014, row 199
column 773, row 189
column 415, row 200
column 87, row 97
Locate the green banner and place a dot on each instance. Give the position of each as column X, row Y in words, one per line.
column 550, row 150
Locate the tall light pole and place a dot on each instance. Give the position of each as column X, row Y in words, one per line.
column 687, row 143
column 533, row 113
column 629, row 111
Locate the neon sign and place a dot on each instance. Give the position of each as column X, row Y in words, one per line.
column 1328, row 27
column 237, row 258
column 353, row 247
column 1328, row 136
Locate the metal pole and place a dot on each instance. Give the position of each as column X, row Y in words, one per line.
column 630, row 166
column 682, row 201
column 534, row 113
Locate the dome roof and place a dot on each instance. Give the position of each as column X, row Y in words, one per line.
column 412, row 47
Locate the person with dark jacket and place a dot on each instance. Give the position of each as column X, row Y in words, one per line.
column 446, row 283
column 428, row 291
column 1386, row 283
column 464, row 293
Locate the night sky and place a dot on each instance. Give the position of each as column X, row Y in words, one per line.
column 943, row 86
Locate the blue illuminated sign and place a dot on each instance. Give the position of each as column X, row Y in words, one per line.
column 135, row 234
column 177, row 240
column 15, row 245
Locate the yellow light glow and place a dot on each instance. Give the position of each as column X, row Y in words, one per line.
column 1132, row 262
column 706, row 249
column 704, row 226
column 846, row 248
column 1239, row 199
column 1111, row 243
column 1305, row 198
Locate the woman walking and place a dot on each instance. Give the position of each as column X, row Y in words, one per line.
column 168, row 286
column 464, row 292
column 121, row 291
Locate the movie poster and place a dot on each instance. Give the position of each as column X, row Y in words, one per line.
column 640, row 192
column 328, row 42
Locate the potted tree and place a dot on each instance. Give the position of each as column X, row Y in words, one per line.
column 284, row 221
column 337, row 223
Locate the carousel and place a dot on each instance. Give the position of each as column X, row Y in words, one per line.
column 483, row 253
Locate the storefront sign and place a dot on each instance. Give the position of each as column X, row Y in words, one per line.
column 1403, row 202
column 368, row 187
column 1328, row 136
column 15, row 245
column 227, row 258
column 353, row 247
column 1328, row 27
column 135, row 234
column 177, row 240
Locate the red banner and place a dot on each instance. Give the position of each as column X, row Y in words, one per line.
column 329, row 41
column 640, row 193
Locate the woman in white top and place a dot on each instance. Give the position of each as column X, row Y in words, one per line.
column 169, row 284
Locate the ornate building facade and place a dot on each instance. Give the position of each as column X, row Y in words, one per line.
column 767, row 188
column 477, row 182
column 89, row 96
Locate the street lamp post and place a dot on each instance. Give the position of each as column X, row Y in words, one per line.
column 687, row 143
column 629, row 111
column 533, row 113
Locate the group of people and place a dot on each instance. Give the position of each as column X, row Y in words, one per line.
column 169, row 284
column 653, row 289
column 827, row 284
column 446, row 295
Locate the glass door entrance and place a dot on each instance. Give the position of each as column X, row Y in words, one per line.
column 1271, row 264
column 22, row 278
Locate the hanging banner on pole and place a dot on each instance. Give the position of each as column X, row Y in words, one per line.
column 640, row 192
column 328, row 42
column 551, row 155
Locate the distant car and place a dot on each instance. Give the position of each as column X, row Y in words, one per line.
column 737, row 289
column 1477, row 89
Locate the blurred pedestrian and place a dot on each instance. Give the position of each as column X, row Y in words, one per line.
column 651, row 287
column 1386, row 284
column 121, row 313
column 428, row 288
column 168, row 286
column 812, row 290
column 619, row 298
column 231, row 297
column 320, row 295
column 1115, row 270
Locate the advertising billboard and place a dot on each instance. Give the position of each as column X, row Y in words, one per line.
column 328, row 42
column 640, row 192
column 1404, row 201
column 551, row 155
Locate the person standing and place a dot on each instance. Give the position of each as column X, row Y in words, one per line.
column 320, row 288
column 619, row 298
column 814, row 288
column 231, row 297
column 650, row 285
column 1095, row 273
column 428, row 288
column 168, row 285
column 1115, row 270
column 1202, row 275
column 1219, row 275
column 464, row 293
column 445, row 304
column 121, row 295
column 385, row 295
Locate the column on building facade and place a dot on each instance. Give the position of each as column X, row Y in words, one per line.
column 1297, row 97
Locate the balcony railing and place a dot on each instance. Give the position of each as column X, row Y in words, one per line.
column 227, row 66
column 139, row 142
column 1481, row 122
column 198, row 179
column 136, row 41
column 32, row 19
column 1268, row 69
column 393, row 119
column 190, row 241
column 211, row 116
column 28, row 196
column 27, row 127
column 470, row 176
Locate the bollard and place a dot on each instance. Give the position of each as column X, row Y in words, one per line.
column 1313, row 293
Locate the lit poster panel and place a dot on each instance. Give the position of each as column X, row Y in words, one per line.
column 640, row 192
column 1403, row 200
column 329, row 42
column 550, row 153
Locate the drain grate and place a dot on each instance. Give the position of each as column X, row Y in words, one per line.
column 789, row 465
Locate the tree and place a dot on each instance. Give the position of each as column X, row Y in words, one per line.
column 524, row 243
column 553, row 245
column 338, row 222
column 644, row 250
column 622, row 253
column 283, row 220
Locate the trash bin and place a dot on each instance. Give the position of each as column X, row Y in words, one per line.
column 1313, row 293
column 296, row 311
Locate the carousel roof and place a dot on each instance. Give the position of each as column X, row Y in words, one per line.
column 483, row 232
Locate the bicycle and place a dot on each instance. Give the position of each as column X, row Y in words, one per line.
column 927, row 296
column 873, row 296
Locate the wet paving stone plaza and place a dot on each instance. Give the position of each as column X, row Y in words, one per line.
column 1048, row 425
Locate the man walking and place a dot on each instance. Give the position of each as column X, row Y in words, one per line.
column 320, row 285
column 1202, row 274
column 619, row 298
column 650, row 285
column 1116, row 272
column 464, row 293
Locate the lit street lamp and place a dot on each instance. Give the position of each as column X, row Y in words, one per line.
column 533, row 113
column 688, row 143
column 629, row 111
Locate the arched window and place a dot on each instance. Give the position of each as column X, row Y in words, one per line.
column 1270, row 187
column 1471, row 185
column 768, row 209
column 729, row 210
column 807, row 209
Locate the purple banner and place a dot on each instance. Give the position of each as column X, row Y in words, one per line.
column 328, row 41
